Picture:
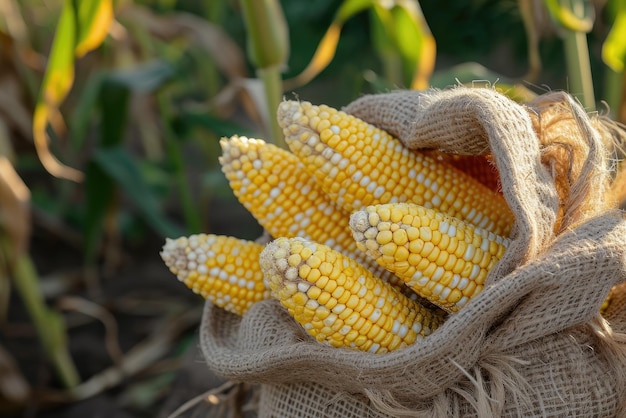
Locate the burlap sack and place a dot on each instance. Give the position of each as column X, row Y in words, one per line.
column 532, row 343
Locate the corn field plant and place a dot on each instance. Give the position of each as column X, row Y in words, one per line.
column 119, row 108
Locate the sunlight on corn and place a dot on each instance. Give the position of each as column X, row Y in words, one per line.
column 339, row 302
column 272, row 184
column 440, row 257
column 357, row 165
column 224, row 270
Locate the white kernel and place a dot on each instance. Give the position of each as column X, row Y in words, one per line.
column 443, row 227
column 275, row 192
column 343, row 163
column 312, row 304
column 374, row 348
column 469, row 252
column 380, row 302
column 403, row 330
column 338, row 308
column 336, row 129
column 436, row 201
column 215, row 271
column 417, row 327
column 282, row 264
column 292, row 274
column 455, row 281
column 445, row 293
column 452, row 231
column 463, row 283
column 364, row 181
column 471, row 214
column 371, row 187
column 250, row 285
column 420, row 177
column 257, row 164
column 328, row 153
column 356, row 177
column 395, row 327
column 330, row 319
column 303, row 287
column 191, row 265
column 475, row 271
column 231, row 279
column 375, row 315
column 202, row 269
column 462, row 302
column 438, row 289
column 344, row 330
column 336, row 158
column 438, row 274
column 379, row 192
column 485, row 244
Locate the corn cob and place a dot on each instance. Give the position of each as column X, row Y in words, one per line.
column 283, row 197
column 357, row 165
column 224, row 270
column 339, row 302
column 272, row 184
column 440, row 257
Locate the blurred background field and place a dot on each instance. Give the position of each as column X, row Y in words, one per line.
column 110, row 118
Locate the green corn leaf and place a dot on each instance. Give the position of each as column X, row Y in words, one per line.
column 120, row 166
column 614, row 47
column 82, row 27
column 327, row 47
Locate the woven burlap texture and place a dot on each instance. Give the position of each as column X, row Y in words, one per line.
column 531, row 344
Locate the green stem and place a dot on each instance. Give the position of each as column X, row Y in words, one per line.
column 192, row 219
column 48, row 323
column 579, row 20
column 273, row 84
column 578, row 68
column 613, row 83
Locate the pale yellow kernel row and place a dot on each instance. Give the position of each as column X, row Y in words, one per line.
column 357, row 165
column 339, row 302
column 441, row 258
column 286, row 200
column 222, row 269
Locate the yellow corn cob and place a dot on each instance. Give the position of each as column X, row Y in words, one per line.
column 276, row 189
column 285, row 199
column 224, row 270
column 339, row 302
column 357, row 165
column 440, row 257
